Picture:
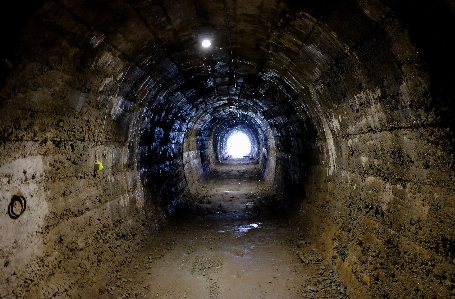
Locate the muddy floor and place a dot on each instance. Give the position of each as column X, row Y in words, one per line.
column 226, row 256
column 227, row 251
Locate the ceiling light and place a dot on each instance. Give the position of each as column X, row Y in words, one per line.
column 206, row 43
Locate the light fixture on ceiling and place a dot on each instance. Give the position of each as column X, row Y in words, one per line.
column 206, row 43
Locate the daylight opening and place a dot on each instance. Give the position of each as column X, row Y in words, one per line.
column 238, row 145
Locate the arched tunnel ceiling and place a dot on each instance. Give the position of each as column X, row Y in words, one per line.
column 283, row 62
column 304, row 69
column 272, row 52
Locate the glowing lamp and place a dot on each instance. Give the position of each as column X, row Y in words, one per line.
column 206, row 43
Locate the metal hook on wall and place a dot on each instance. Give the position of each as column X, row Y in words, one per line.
column 17, row 206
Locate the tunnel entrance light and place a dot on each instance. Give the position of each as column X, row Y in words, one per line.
column 206, row 43
column 238, row 145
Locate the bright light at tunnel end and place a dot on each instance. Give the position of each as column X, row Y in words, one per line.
column 238, row 145
column 206, row 43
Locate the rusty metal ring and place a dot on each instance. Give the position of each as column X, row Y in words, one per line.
column 22, row 202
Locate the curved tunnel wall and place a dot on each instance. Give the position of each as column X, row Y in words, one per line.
column 359, row 116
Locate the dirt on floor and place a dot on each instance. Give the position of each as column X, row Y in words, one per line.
column 226, row 256
column 223, row 249
column 235, row 186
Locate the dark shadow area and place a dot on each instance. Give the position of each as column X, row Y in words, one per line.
column 13, row 16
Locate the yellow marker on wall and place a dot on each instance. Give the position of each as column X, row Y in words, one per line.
column 99, row 166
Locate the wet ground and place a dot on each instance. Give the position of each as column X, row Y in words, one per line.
column 226, row 251
column 224, row 257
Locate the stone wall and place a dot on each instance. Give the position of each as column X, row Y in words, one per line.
column 56, row 122
column 382, row 209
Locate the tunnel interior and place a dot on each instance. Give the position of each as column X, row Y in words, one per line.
column 116, row 119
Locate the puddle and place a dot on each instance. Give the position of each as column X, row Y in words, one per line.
column 239, row 230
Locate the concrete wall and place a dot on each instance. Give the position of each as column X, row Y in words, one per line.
column 379, row 202
column 56, row 122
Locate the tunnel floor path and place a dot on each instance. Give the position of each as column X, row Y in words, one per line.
column 226, row 256
column 224, row 249
column 231, row 186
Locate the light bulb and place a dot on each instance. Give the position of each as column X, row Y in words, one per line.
column 206, row 43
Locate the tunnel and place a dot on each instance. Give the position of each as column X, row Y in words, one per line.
column 116, row 175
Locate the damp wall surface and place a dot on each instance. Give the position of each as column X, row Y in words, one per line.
column 351, row 101
column 384, row 183
column 58, row 119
